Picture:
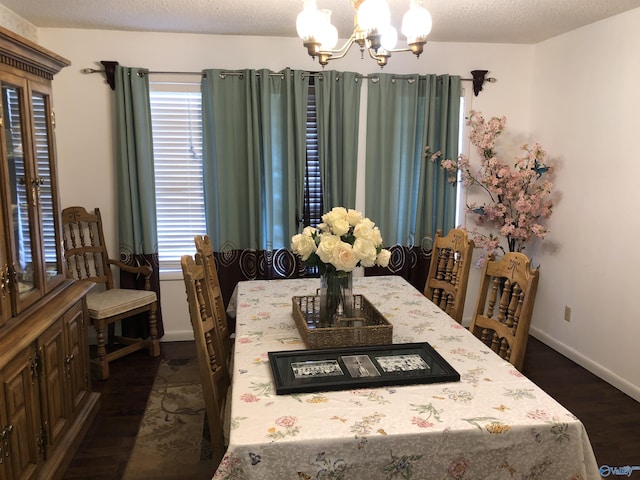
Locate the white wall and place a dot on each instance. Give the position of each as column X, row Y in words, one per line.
column 585, row 104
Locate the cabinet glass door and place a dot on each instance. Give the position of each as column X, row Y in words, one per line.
column 19, row 184
column 5, row 286
column 45, row 181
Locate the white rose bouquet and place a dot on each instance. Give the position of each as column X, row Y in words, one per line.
column 343, row 241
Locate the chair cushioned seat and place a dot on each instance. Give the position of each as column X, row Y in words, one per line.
column 117, row 300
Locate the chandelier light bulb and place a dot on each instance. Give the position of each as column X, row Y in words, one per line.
column 373, row 15
column 327, row 34
column 416, row 23
column 308, row 19
column 389, row 37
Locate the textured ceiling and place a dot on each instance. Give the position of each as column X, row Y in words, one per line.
column 502, row 21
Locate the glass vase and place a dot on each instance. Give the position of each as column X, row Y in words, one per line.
column 336, row 297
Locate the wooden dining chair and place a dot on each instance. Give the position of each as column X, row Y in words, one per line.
column 204, row 256
column 446, row 284
column 505, row 305
column 213, row 372
column 87, row 259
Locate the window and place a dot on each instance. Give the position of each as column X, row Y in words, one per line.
column 176, row 118
column 313, row 209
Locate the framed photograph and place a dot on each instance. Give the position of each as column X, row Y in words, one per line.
column 304, row 371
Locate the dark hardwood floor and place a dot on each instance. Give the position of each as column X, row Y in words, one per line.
column 104, row 453
column 612, row 419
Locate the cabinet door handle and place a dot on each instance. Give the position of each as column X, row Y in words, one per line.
column 4, row 447
column 6, row 431
column 34, row 373
column 67, row 365
column 4, row 281
column 35, row 189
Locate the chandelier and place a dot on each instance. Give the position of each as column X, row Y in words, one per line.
column 372, row 31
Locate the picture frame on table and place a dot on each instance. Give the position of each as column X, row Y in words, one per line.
column 370, row 366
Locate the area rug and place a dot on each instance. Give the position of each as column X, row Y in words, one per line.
column 172, row 442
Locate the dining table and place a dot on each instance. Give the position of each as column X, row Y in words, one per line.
column 492, row 423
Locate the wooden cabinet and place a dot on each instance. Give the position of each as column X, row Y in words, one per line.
column 33, row 262
column 64, row 377
column 22, row 427
column 46, row 403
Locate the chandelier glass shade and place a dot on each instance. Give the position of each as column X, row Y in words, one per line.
column 372, row 31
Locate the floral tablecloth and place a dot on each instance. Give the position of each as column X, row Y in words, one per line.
column 493, row 424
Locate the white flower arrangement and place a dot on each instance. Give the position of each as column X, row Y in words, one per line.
column 344, row 240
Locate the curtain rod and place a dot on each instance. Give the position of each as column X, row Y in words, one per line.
column 478, row 76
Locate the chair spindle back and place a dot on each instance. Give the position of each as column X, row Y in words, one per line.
column 446, row 284
column 213, row 371
column 505, row 306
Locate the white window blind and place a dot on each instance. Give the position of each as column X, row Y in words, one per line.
column 176, row 117
column 41, row 108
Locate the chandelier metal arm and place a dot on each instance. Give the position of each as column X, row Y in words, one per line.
column 325, row 55
column 342, row 51
column 399, row 50
column 381, row 56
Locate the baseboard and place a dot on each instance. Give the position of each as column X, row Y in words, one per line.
column 177, row 336
column 605, row 374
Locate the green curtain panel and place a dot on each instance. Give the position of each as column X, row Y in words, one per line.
column 407, row 196
column 254, row 150
column 338, row 113
column 136, row 188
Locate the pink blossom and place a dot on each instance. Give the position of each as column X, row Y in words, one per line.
column 518, row 194
column 507, row 230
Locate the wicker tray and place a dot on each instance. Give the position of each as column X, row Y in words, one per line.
column 369, row 327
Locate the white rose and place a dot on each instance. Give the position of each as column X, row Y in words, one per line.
column 303, row 245
column 325, row 248
column 336, row 213
column 376, row 237
column 295, row 241
column 364, row 229
column 353, row 217
column 344, row 258
column 365, row 250
column 383, row 258
column 339, row 211
column 309, row 231
column 340, row 227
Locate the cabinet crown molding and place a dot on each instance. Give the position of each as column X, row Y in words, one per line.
column 22, row 53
